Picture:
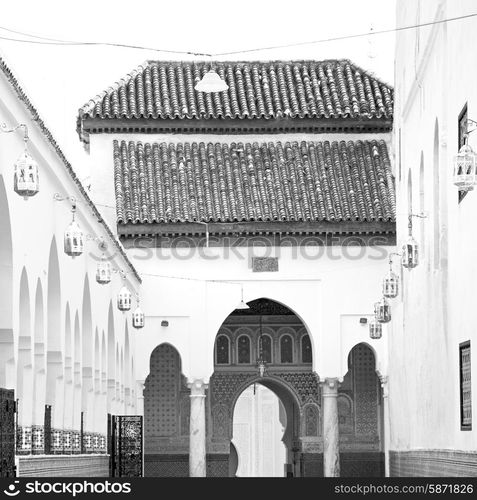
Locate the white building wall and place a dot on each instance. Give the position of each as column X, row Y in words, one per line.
column 434, row 80
column 44, row 304
column 329, row 288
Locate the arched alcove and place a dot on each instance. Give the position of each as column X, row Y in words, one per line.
column 6, row 304
column 69, row 387
column 54, row 357
column 39, row 381
column 111, row 364
column 77, row 377
column 436, row 197
column 422, row 203
column 166, row 415
column 87, row 352
column 24, row 392
column 127, row 366
column 360, row 416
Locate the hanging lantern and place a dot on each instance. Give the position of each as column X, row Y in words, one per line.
column 211, row 82
column 410, row 254
column 124, row 299
column 25, row 177
column 382, row 311
column 375, row 329
column 261, row 367
column 465, row 168
column 138, row 318
column 391, row 285
column 103, row 271
column 73, row 239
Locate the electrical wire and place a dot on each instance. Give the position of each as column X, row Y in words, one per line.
column 54, row 41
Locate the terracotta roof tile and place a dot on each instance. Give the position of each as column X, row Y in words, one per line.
column 274, row 181
column 295, row 89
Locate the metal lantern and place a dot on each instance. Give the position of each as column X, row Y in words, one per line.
column 124, row 299
column 261, row 367
column 391, row 285
column 73, row 239
column 25, row 178
column 138, row 318
column 382, row 311
column 410, row 254
column 465, row 168
column 375, row 329
column 103, row 271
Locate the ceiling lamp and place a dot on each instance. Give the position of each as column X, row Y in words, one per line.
column 465, row 163
column 73, row 237
column 391, row 281
column 382, row 311
column 375, row 329
column 211, row 82
column 25, row 176
column 242, row 305
column 138, row 316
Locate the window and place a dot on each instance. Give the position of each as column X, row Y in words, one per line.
column 222, row 354
column 266, row 341
column 286, row 349
column 462, row 129
column 306, row 356
column 465, row 387
column 243, row 349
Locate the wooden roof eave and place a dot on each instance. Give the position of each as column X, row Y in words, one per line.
column 259, row 228
column 233, row 125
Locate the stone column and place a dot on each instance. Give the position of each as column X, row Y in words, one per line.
column 331, row 441
column 197, row 444
column 387, row 437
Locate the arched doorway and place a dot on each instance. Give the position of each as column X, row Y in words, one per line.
column 272, row 332
column 360, row 414
column 258, row 431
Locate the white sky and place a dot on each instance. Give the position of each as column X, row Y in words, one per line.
column 59, row 80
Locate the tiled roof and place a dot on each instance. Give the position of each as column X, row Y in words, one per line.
column 273, row 89
column 243, row 182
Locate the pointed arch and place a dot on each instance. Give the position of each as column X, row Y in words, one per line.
column 24, row 360
column 86, row 348
column 110, row 360
column 77, row 376
column 6, row 304
column 54, row 357
column 436, row 195
column 39, row 392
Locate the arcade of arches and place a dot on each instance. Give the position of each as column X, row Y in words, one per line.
column 177, row 414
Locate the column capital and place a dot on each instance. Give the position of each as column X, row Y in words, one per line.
column 197, row 388
column 330, row 386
